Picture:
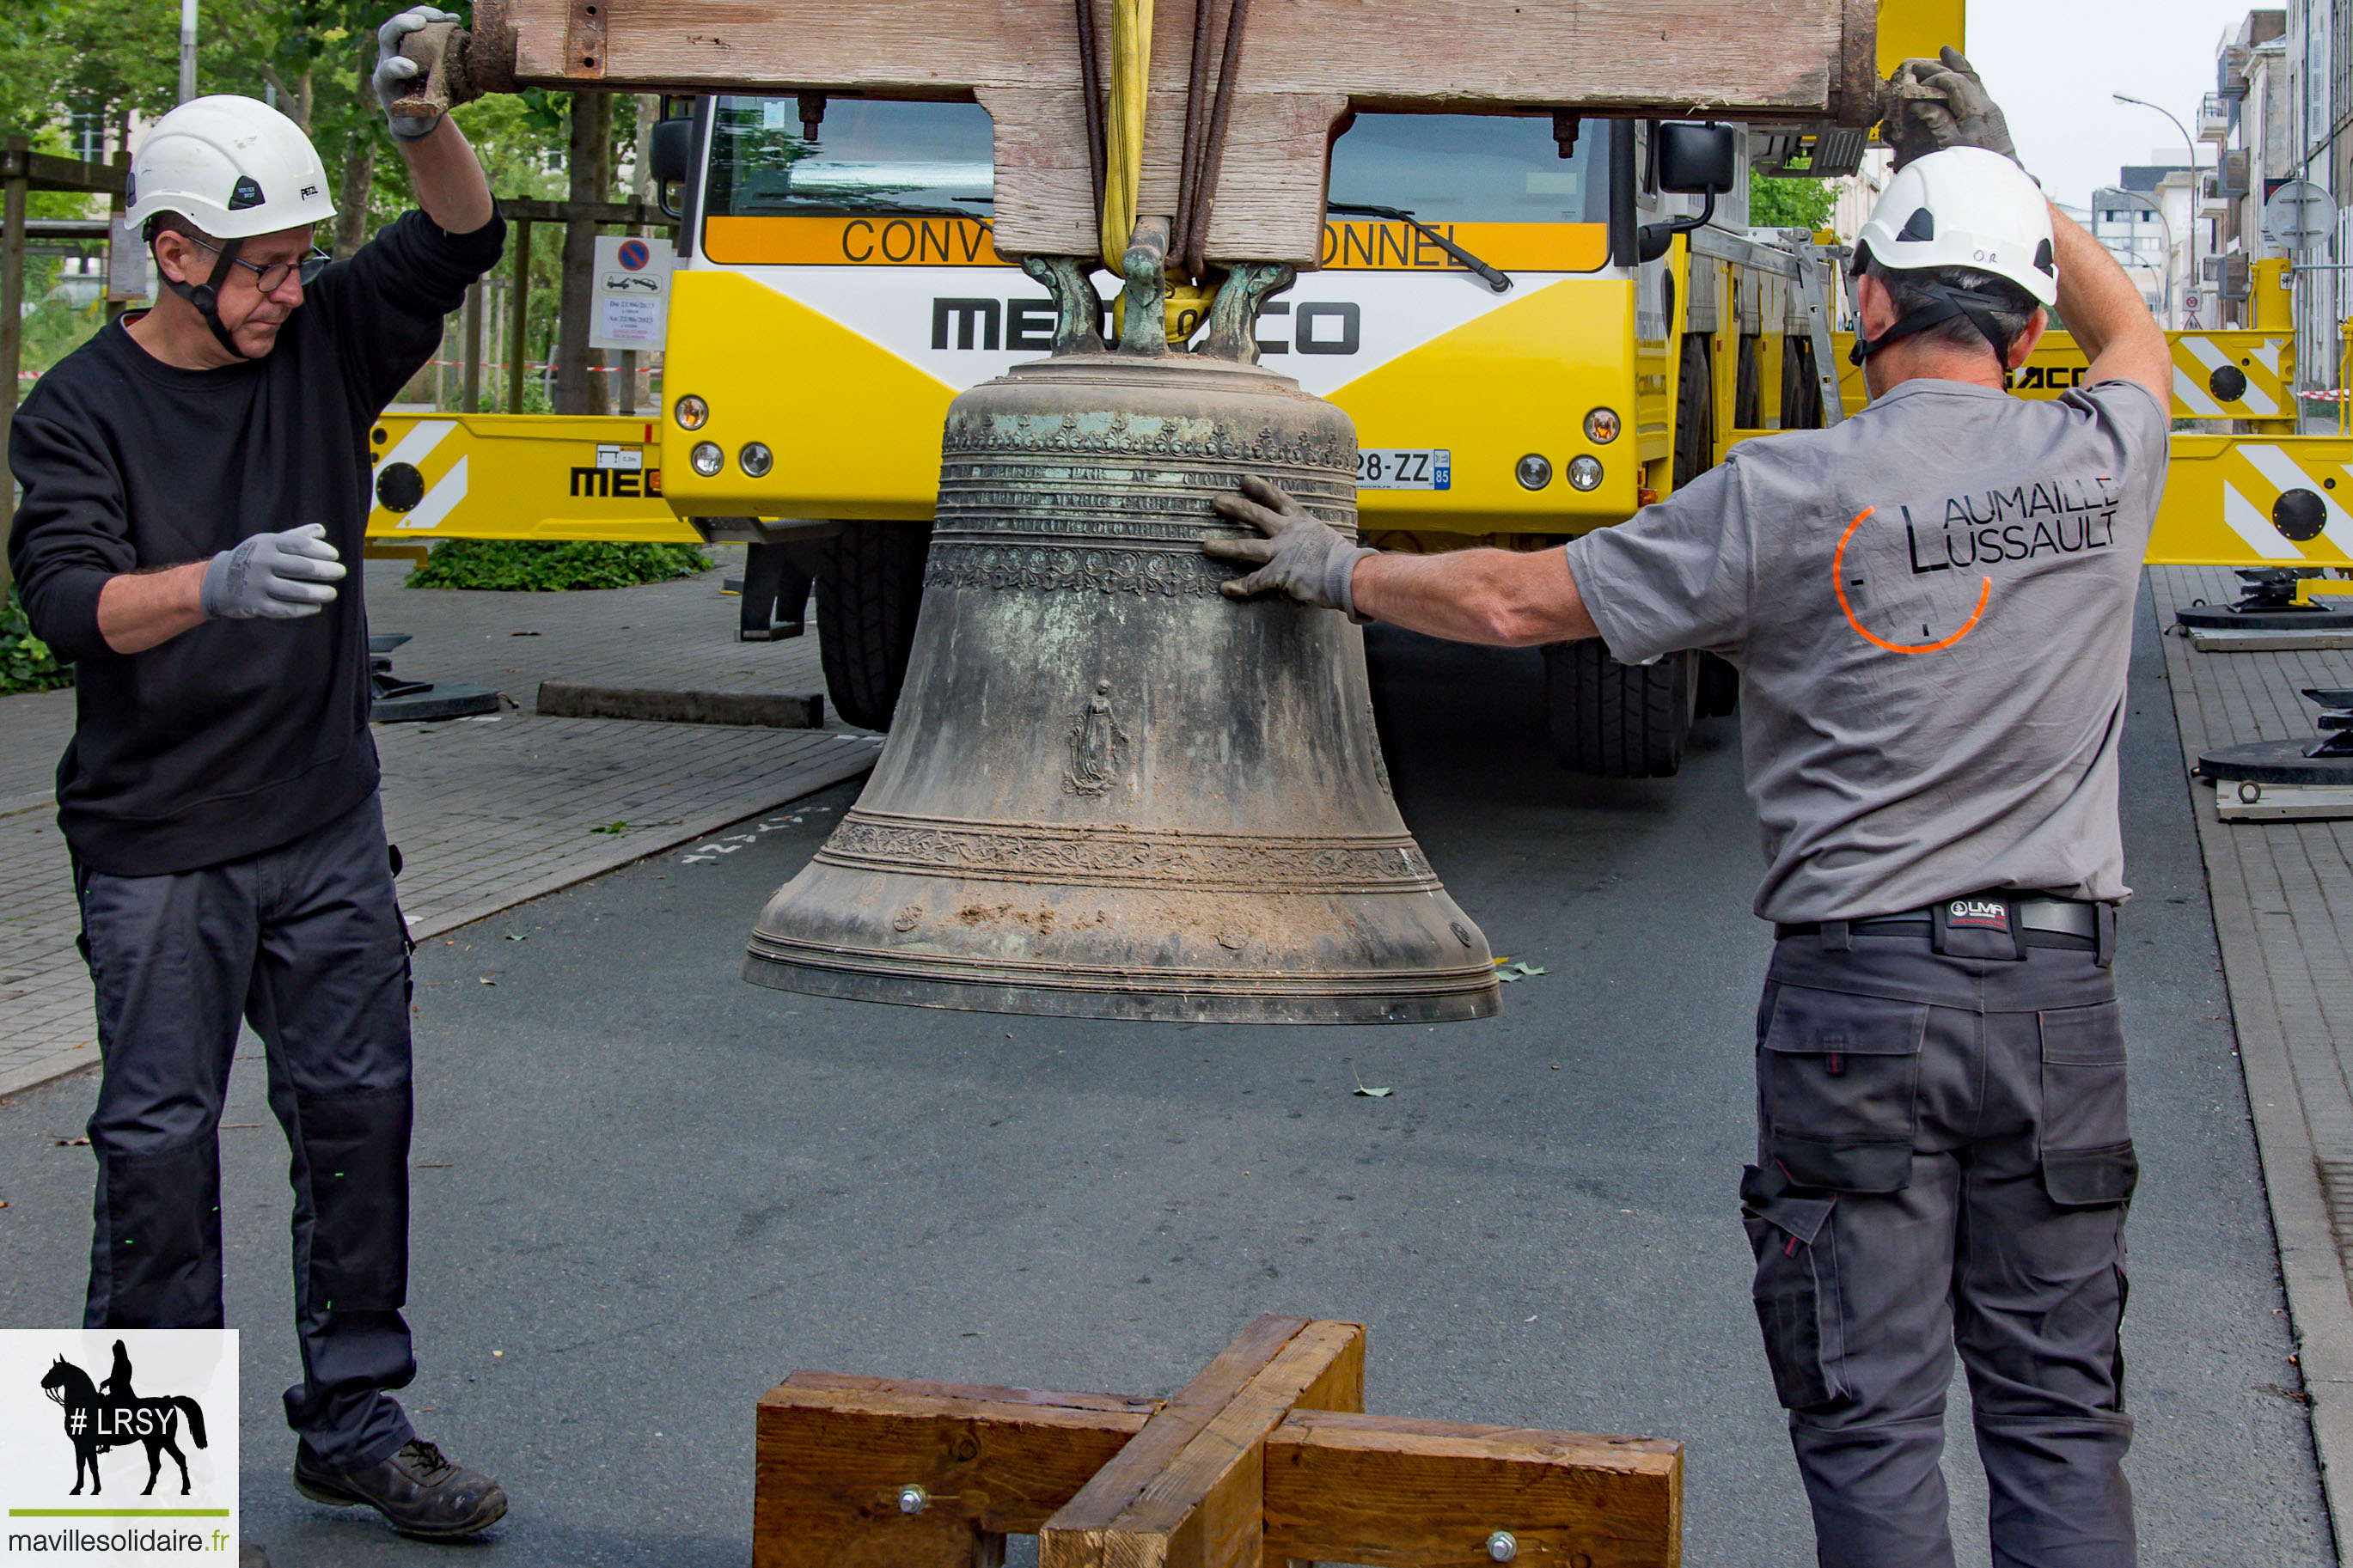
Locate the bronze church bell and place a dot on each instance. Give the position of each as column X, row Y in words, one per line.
column 1108, row 791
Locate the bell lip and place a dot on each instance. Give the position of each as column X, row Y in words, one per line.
column 1147, row 1004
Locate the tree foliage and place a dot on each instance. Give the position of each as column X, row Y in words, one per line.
column 1789, row 203
column 75, row 71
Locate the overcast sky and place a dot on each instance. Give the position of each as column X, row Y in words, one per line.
column 2051, row 64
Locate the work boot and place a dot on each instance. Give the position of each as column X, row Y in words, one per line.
column 419, row 1492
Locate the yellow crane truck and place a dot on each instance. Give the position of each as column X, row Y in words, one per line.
column 1533, row 338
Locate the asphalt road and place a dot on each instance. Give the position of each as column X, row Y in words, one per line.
column 646, row 1191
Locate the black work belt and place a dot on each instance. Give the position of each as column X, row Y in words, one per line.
column 1983, row 925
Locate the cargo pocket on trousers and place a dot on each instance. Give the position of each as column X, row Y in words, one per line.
column 1797, row 1288
column 1837, row 1081
column 2087, row 1150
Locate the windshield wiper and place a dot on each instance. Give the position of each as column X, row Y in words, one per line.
column 1493, row 279
column 860, row 206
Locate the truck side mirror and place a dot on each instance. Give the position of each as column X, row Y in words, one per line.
column 1696, row 160
column 670, row 150
column 1691, row 161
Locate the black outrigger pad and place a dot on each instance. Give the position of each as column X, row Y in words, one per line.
column 2298, row 618
column 421, row 703
column 2269, row 606
column 2275, row 762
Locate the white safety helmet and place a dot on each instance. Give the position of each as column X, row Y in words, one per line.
column 1966, row 207
column 234, row 167
column 1962, row 208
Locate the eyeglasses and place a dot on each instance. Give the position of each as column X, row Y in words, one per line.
column 267, row 276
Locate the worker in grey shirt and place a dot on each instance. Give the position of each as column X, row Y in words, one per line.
column 1930, row 608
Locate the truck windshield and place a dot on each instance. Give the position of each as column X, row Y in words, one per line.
column 1472, row 168
column 871, row 155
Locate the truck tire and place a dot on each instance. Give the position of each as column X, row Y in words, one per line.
column 1618, row 720
column 1716, row 685
column 866, row 596
column 1694, row 412
column 1719, row 689
column 1801, row 395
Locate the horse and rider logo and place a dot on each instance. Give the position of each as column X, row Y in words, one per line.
column 100, row 1416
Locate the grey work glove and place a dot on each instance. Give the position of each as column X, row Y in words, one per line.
column 1302, row 555
column 395, row 71
column 273, row 576
column 1935, row 104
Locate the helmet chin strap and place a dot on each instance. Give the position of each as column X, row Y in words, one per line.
column 1945, row 304
column 206, row 296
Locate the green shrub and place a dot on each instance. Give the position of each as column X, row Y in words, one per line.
column 26, row 662
column 541, row 567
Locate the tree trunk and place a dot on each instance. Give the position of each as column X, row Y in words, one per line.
column 352, row 197
column 359, row 166
column 579, row 386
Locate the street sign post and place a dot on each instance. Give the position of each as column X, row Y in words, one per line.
column 2299, row 216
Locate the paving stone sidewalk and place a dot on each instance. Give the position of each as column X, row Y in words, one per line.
column 487, row 812
column 2283, row 901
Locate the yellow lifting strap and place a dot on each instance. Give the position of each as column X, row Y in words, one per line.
column 1130, row 68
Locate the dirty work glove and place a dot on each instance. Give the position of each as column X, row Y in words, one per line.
column 1935, row 104
column 1300, row 554
column 395, row 71
column 274, row 576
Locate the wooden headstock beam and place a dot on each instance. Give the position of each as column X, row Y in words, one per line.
column 1303, row 64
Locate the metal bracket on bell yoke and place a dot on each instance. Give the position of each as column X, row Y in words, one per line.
column 1077, row 310
column 1261, row 1458
column 1233, row 317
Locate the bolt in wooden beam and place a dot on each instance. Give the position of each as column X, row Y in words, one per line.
column 1388, row 1492
column 833, row 1453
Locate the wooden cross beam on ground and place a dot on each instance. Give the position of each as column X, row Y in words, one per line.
column 1264, row 1458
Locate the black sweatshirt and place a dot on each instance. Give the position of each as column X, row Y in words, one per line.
column 237, row 736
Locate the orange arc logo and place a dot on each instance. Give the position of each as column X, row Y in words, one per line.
column 1838, row 582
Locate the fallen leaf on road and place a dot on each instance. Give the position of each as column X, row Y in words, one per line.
column 1369, row 1093
column 513, row 937
column 1508, row 970
column 488, row 981
column 612, row 827
column 72, row 1143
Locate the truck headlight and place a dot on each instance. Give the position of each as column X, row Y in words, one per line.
column 1584, row 473
column 691, row 412
column 707, row 459
column 1533, row 471
column 1601, row 427
column 756, row 460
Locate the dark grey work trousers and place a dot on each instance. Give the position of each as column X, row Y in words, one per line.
column 305, row 942
column 1944, row 1160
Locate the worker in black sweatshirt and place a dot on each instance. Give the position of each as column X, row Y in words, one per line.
column 195, row 478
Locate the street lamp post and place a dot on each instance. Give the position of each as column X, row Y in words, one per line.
column 2192, row 143
column 188, row 50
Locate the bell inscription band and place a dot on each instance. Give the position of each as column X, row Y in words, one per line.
column 1110, row 792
